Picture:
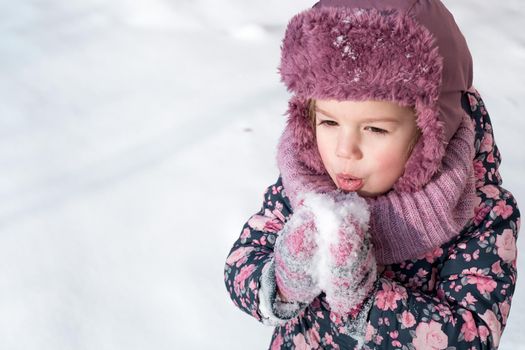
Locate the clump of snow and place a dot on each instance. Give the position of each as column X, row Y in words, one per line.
column 327, row 223
column 331, row 212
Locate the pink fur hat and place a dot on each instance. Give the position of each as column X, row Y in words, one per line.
column 407, row 51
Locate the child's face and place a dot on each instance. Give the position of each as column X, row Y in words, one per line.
column 364, row 145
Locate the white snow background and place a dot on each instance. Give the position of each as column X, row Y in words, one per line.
column 137, row 137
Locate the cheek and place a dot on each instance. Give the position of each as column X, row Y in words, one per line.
column 322, row 144
column 325, row 148
column 393, row 162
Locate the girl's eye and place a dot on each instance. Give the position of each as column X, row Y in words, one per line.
column 376, row 130
column 328, row 123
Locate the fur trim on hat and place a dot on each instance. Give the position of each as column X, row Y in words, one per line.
column 365, row 54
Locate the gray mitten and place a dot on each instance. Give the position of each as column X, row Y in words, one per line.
column 294, row 251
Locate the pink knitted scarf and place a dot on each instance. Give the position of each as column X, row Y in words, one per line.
column 403, row 225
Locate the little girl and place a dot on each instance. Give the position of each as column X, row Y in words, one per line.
column 388, row 227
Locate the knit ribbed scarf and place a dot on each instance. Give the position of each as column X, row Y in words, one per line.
column 403, row 225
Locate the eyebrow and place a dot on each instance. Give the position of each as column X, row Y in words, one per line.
column 368, row 120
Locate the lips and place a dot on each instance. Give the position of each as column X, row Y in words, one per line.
column 349, row 182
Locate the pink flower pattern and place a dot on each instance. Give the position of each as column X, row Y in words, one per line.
column 503, row 209
column 407, row 319
column 493, row 324
column 506, row 244
column 389, row 295
column 469, row 328
column 429, row 336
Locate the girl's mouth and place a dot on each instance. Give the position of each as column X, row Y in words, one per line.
column 349, row 183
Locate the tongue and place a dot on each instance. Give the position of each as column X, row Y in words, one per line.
column 350, row 185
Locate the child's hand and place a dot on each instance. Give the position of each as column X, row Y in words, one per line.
column 349, row 272
column 294, row 251
column 327, row 251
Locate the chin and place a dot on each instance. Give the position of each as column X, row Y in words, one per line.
column 367, row 194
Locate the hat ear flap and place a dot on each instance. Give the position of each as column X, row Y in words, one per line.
column 304, row 139
column 425, row 159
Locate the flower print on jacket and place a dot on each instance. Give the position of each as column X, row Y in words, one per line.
column 430, row 336
column 506, row 244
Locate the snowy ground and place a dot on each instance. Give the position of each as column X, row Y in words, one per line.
column 136, row 137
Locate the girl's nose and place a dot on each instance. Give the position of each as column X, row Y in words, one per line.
column 348, row 147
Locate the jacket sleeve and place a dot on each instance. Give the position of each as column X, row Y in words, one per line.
column 249, row 270
column 475, row 284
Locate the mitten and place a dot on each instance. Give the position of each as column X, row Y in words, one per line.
column 294, row 251
column 348, row 268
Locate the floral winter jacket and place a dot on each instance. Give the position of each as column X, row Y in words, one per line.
column 457, row 296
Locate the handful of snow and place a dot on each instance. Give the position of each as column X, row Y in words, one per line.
column 344, row 263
